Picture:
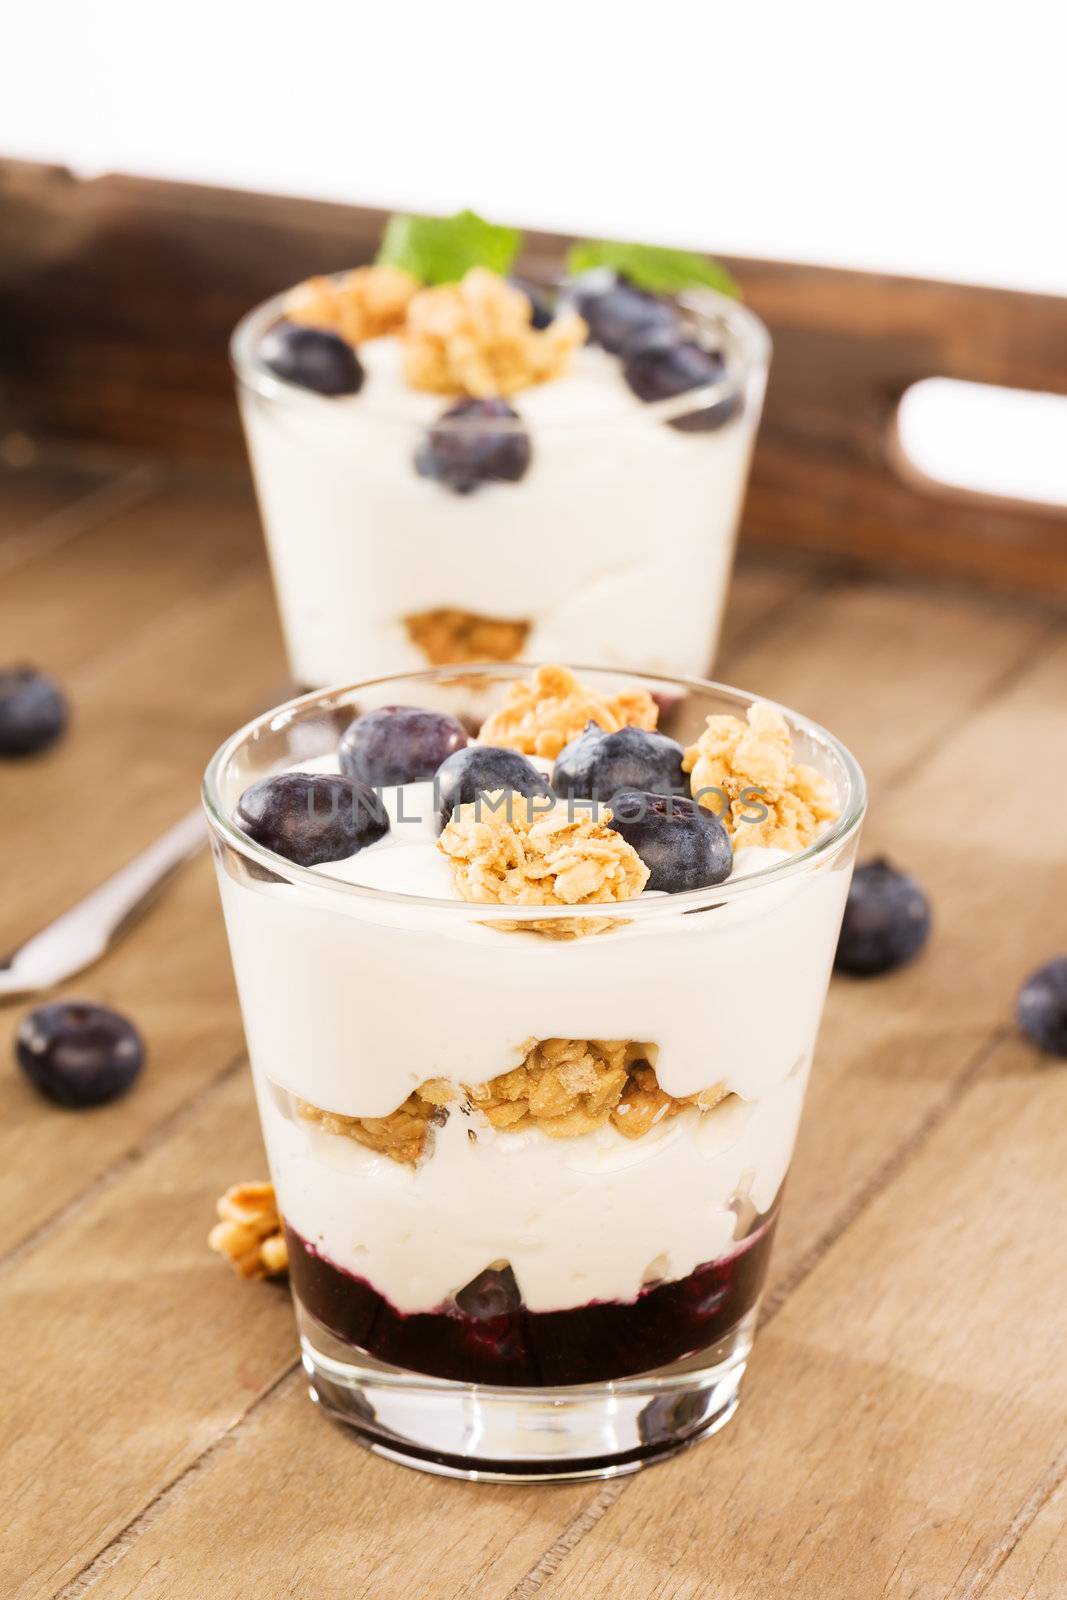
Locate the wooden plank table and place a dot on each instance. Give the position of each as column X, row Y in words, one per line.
column 904, row 1424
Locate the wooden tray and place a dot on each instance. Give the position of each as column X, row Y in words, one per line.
column 120, row 295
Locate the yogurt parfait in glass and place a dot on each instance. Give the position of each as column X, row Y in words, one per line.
column 491, row 469
column 530, row 1008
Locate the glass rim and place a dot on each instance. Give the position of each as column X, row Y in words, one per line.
column 748, row 349
column 640, row 909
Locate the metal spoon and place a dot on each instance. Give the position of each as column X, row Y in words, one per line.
column 81, row 935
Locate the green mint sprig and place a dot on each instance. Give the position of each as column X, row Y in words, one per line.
column 652, row 266
column 443, row 249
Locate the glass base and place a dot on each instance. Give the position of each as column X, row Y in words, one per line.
column 505, row 1435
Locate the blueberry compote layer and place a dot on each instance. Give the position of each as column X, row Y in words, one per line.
column 488, row 1335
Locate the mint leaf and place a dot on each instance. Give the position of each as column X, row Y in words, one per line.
column 652, row 267
column 442, row 249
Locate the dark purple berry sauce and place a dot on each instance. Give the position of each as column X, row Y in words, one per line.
column 497, row 1340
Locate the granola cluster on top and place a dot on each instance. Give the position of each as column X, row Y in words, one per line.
column 474, row 337
column 734, row 758
column 520, row 855
column 541, row 715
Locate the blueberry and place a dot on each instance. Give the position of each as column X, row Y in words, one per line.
column 887, row 921
column 311, row 817
column 493, row 1293
column 542, row 308
column 597, row 765
column 314, row 358
column 459, row 454
column 79, row 1054
column 399, row 744
column 1041, row 1008
column 617, row 312
column 483, row 769
column 33, row 711
column 662, row 366
column 684, row 845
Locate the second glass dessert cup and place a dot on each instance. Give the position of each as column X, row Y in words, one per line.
column 616, row 546
column 524, row 1305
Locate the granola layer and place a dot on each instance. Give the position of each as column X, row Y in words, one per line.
column 565, row 1087
column 448, row 635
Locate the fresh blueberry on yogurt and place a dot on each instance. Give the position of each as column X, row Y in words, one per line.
column 79, row 1054
column 312, row 358
column 617, row 312
column 598, row 764
column 1042, row 1007
column 683, row 845
column 542, row 309
column 886, row 922
column 483, row 769
column 461, row 455
column 33, row 711
column 312, row 817
column 399, row 744
column 660, row 366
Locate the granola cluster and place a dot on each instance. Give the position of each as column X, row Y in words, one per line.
column 363, row 304
column 735, row 757
column 569, row 1087
column 476, row 338
column 507, row 850
column 547, row 711
column 447, row 635
column 402, row 1135
column 249, row 1231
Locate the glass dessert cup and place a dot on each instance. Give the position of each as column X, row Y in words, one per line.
column 626, row 515
column 509, row 1305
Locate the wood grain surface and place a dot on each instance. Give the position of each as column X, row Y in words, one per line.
column 119, row 295
column 902, row 1433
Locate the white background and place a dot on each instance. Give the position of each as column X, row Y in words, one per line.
column 924, row 138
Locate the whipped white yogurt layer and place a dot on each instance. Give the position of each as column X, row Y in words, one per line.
column 619, row 538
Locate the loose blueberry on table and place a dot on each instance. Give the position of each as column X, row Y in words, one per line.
column 462, row 456
column 483, row 769
column 1041, row 1008
column 33, row 711
column 683, row 845
column 886, row 921
column 79, row 1054
column 312, row 817
column 597, row 764
column 312, row 358
column 399, row 744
